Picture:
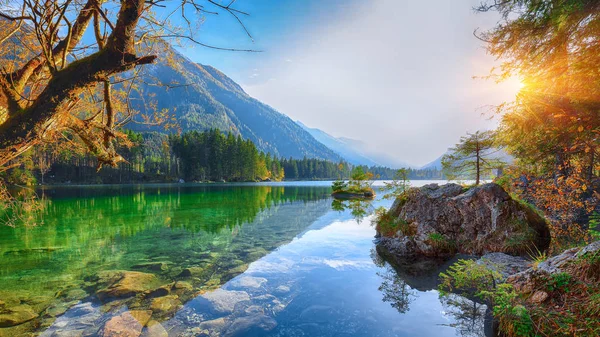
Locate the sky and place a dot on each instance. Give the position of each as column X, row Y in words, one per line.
column 394, row 74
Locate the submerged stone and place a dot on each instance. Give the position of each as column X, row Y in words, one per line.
column 191, row 272
column 16, row 315
column 124, row 325
column 122, row 284
column 213, row 327
column 154, row 266
column 165, row 304
column 248, row 282
column 282, row 289
column 224, row 301
column 250, row 325
column 154, row 329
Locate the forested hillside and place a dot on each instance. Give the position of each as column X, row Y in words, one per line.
column 190, row 157
column 201, row 97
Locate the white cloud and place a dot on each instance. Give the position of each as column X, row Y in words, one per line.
column 395, row 74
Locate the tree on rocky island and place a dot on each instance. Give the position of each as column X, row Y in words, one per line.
column 472, row 157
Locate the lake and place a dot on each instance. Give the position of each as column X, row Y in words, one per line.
column 265, row 259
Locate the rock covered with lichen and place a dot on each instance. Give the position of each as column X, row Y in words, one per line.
column 436, row 221
column 583, row 262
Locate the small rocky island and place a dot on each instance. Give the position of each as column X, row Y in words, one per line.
column 358, row 187
column 348, row 194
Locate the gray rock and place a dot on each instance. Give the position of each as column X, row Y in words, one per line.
column 214, row 327
column 450, row 220
column 527, row 281
column 506, row 265
column 282, row 289
column 248, row 282
column 224, row 301
column 242, row 326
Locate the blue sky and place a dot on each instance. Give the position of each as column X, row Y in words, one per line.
column 394, row 74
column 272, row 23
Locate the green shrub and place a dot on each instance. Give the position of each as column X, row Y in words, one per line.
column 339, row 185
column 440, row 243
column 385, row 223
column 467, row 276
column 559, row 282
column 470, row 278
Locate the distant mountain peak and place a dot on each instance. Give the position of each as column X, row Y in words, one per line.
column 354, row 151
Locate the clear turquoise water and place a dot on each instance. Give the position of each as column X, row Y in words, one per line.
column 276, row 256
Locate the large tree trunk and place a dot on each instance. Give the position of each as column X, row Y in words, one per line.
column 25, row 127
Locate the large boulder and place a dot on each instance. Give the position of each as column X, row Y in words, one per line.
column 443, row 220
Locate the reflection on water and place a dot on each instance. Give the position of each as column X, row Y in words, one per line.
column 471, row 319
column 164, row 231
column 222, row 260
column 358, row 208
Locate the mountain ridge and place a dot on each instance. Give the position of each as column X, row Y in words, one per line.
column 201, row 97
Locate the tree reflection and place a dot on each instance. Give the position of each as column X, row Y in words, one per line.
column 359, row 208
column 395, row 290
column 403, row 277
column 469, row 316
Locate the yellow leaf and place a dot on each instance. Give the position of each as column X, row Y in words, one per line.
column 584, row 188
column 580, row 129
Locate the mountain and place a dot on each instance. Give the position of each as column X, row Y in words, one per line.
column 354, row 151
column 436, row 164
column 341, row 146
column 201, row 97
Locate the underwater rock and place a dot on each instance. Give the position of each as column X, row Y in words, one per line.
column 235, row 272
column 153, row 266
column 79, row 320
column 15, row 315
column 224, row 301
column 160, row 291
column 282, row 289
column 182, row 285
column 244, row 326
column 76, row 294
column 154, row 329
column 248, row 282
column 256, row 253
column 191, row 272
column 121, row 284
column 124, row 325
column 213, row 327
column 165, row 304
